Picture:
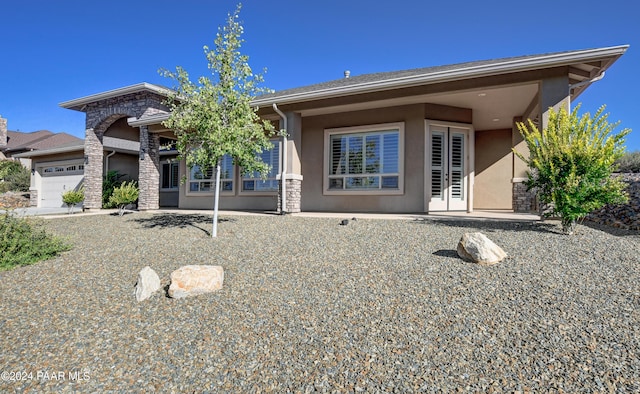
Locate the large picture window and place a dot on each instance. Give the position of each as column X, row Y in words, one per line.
column 204, row 179
column 254, row 183
column 364, row 159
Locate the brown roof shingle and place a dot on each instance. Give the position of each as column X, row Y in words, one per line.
column 37, row 140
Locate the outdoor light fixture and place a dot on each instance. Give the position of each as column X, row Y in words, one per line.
column 142, row 152
column 33, row 171
column 86, row 160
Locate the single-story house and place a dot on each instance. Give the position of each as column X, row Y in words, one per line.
column 421, row 140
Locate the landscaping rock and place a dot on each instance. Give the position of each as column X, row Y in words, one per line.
column 624, row 216
column 11, row 200
column 148, row 283
column 477, row 248
column 192, row 280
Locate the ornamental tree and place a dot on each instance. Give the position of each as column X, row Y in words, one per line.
column 571, row 164
column 213, row 117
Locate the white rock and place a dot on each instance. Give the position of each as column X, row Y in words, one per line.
column 476, row 247
column 148, row 283
column 192, row 280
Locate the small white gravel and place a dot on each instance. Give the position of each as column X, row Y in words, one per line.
column 310, row 305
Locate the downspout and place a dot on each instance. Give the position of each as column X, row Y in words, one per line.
column 579, row 84
column 283, row 177
column 106, row 159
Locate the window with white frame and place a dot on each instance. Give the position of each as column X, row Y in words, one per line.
column 365, row 159
column 203, row 180
column 169, row 176
column 254, row 183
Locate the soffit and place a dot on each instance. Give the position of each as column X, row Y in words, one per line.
column 493, row 108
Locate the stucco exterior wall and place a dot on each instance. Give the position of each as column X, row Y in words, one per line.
column 493, row 165
column 121, row 129
column 413, row 116
column 37, row 161
column 229, row 201
column 125, row 164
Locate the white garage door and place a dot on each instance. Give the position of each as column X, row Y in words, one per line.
column 57, row 180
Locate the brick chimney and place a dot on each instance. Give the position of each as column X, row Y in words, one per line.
column 3, row 132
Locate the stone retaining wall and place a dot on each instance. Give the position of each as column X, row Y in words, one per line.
column 11, row 200
column 625, row 216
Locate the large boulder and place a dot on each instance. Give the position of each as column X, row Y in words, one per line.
column 192, row 280
column 148, row 283
column 477, row 248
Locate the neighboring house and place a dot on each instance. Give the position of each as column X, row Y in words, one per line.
column 422, row 140
column 22, row 146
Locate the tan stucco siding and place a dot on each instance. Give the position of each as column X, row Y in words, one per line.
column 228, row 201
column 37, row 161
column 493, row 165
column 519, row 168
column 121, row 129
column 125, row 164
column 312, row 161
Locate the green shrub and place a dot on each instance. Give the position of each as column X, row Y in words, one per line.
column 14, row 177
column 24, row 242
column 629, row 162
column 109, row 183
column 124, row 195
column 73, row 197
column 571, row 162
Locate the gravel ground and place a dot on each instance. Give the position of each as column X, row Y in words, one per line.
column 309, row 305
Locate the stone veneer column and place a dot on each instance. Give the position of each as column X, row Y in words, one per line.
column 149, row 170
column 33, row 197
column 293, row 176
column 3, row 132
column 294, row 194
column 523, row 200
column 93, row 169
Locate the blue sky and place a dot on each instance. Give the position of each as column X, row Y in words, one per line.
column 54, row 51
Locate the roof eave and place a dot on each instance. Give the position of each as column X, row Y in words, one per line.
column 140, row 87
column 508, row 66
column 148, row 120
column 52, row 151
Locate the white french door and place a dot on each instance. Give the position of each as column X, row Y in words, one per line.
column 448, row 168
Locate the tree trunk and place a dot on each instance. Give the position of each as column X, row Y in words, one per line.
column 216, row 198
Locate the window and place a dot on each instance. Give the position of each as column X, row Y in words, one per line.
column 364, row 159
column 254, row 183
column 203, row 180
column 169, row 176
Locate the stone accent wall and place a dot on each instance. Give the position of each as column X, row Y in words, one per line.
column 523, row 201
column 93, row 169
column 149, row 175
column 33, row 197
column 3, row 132
column 101, row 114
column 294, row 195
column 625, row 216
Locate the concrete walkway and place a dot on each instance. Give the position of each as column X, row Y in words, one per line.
column 50, row 213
